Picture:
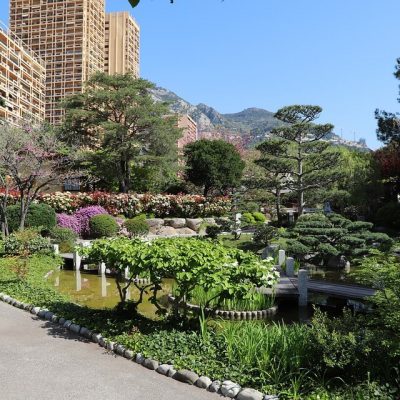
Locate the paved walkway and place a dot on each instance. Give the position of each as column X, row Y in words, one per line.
column 41, row 361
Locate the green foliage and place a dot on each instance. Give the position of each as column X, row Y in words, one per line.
column 319, row 237
column 256, row 301
column 65, row 238
column 125, row 130
column 264, row 234
column 389, row 215
column 137, row 226
column 213, row 165
column 297, row 149
column 103, row 225
column 190, row 262
column 259, row 217
column 39, row 216
column 25, row 243
column 248, row 218
column 212, row 231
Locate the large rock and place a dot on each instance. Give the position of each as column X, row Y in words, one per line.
column 210, row 221
column 186, row 376
column 185, row 231
column 230, row 389
column 250, row 394
column 175, row 222
column 150, row 364
column 194, row 223
column 166, row 231
column 163, row 369
column 214, row 387
column 203, row 382
column 155, row 222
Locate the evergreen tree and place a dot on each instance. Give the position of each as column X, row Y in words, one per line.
column 297, row 154
column 119, row 127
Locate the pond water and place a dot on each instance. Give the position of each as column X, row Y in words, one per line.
column 100, row 291
column 335, row 275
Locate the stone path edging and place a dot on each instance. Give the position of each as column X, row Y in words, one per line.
column 226, row 388
column 230, row 315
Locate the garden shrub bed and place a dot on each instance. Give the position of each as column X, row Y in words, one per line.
column 276, row 359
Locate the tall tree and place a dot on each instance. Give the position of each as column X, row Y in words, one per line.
column 118, row 126
column 389, row 123
column 31, row 160
column 296, row 153
column 214, row 165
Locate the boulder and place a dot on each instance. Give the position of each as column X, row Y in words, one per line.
column 175, row 222
column 128, row 354
column 186, row 376
column 74, row 328
column 171, row 372
column 155, row 222
column 230, row 389
column 210, row 221
column 250, row 394
column 163, row 369
column 214, row 387
column 203, row 382
column 150, row 364
column 139, row 358
column 166, row 231
column 185, row 231
column 194, row 223
column 271, row 397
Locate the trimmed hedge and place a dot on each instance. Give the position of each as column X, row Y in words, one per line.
column 39, row 216
column 103, row 225
column 137, row 226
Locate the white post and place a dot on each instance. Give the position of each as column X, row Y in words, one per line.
column 77, row 260
column 281, row 257
column 103, row 286
column 126, row 273
column 56, row 248
column 302, row 287
column 290, row 266
column 78, row 280
column 102, row 268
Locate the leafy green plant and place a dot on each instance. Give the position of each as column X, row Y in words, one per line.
column 259, row 217
column 212, row 231
column 103, row 225
column 137, row 226
column 25, row 243
column 248, row 218
column 65, row 238
column 39, row 216
column 264, row 234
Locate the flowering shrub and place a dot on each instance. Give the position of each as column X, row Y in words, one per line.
column 68, row 221
column 83, row 216
column 130, row 205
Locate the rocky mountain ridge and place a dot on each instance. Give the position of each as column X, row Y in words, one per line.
column 244, row 128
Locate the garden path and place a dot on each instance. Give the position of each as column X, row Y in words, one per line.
column 42, row 361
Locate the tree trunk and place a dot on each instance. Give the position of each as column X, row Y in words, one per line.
column 125, row 178
column 278, row 206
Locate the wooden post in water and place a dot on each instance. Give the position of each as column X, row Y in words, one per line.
column 302, row 287
column 77, row 261
column 290, row 267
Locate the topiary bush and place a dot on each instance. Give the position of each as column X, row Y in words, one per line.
column 259, row 217
column 102, row 225
column 39, row 216
column 212, row 231
column 84, row 214
column 248, row 219
column 137, row 226
column 264, row 234
column 65, row 238
column 26, row 243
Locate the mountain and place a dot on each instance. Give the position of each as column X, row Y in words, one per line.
column 245, row 128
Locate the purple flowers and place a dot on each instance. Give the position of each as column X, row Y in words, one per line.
column 79, row 222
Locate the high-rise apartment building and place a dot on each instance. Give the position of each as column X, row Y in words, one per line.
column 22, row 81
column 121, row 44
column 69, row 36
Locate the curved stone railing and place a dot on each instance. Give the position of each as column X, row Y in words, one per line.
column 229, row 314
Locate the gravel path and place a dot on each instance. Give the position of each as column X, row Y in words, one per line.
column 40, row 361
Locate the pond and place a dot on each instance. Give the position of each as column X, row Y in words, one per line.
column 100, row 291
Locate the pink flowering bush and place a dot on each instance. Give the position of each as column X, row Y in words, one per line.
column 130, row 205
column 83, row 216
column 68, row 221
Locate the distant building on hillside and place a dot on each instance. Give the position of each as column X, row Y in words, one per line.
column 22, row 81
column 189, row 133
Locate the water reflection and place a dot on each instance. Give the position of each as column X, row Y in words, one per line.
column 100, row 291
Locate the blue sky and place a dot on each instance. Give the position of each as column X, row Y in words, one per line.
column 235, row 54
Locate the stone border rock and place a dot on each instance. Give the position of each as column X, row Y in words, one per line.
column 226, row 388
column 229, row 315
